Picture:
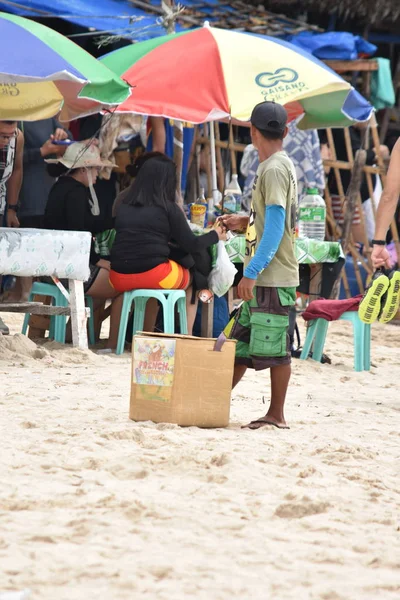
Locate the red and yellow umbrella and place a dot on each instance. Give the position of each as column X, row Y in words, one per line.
column 208, row 74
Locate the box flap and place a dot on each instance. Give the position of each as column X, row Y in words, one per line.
column 177, row 335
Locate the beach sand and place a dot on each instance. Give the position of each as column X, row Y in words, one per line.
column 94, row 506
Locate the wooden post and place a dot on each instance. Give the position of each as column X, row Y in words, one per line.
column 206, row 146
column 232, row 150
column 78, row 314
column 352, row 195
column 220, row 166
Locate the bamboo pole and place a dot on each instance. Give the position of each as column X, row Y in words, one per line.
column 350, row 157
column 232, row 150
column 207, row 161
column 352, row 194
column 221, row 172
column 237, row 147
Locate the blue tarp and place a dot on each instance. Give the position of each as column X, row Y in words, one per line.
column 334, row 45
column 101, row 15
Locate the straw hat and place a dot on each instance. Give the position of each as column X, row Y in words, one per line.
column 79, row 155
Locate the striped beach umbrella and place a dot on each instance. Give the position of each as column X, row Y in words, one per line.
column 42, row 72
column 208, row 74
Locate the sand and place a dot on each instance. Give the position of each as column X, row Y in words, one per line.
column 94, row 506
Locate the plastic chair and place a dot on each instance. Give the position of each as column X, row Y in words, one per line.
column 58, row 323
column 316, row 335
column 168, row 299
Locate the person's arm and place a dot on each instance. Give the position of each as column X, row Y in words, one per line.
column 274, row 228
column 77, row 218
column 14, row 183
column 387, row 209
column 61, row 132
column 159, row 135
column 184, row 236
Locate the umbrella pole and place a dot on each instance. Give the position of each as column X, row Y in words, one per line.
column 170, row 12
column 215, row 192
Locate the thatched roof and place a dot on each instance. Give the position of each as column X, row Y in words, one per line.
column 374, row 12
column 234, row 14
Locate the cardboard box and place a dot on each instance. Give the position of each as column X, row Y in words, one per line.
column 181, row 379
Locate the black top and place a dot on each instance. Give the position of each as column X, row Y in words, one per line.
column 68, row 209
column 341, row 154
column 143, row 234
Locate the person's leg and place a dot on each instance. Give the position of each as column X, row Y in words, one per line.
column 115, row 318
column 191, row 309
column 280, row 377
column 151, row 314
column 274, row 303
column 102, row 289
column 26, row 284
column 238, row 374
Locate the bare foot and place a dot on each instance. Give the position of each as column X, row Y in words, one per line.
column 267, row 420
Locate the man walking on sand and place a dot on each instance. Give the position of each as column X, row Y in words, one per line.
column 271, row 274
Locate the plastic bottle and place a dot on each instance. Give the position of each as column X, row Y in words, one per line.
column 312, row 215
column 233, row 191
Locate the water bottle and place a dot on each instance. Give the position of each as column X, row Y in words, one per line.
column 312, row 215
column 234, row 192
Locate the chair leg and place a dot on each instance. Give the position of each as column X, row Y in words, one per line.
column 320, row 337
column 183, row 325
column 26, row 318
column 123, row 324
column 169, row 316
column 139, row 314
column 60, row 327
column 311, row 329
column 92, row 335
column 367, row 348
column 359, row 345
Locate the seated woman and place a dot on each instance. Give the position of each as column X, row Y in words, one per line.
column 148, row 218
column 73, row 206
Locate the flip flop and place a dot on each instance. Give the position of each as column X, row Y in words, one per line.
column 391, row 303
column 262, row 422
column 371, row 304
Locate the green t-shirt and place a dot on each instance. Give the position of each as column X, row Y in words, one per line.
column 275, row 183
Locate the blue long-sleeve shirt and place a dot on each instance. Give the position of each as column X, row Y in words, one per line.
column 274, row 228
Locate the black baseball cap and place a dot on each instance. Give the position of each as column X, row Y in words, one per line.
column 270, row 117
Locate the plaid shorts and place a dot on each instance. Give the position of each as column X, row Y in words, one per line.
column 261, row 328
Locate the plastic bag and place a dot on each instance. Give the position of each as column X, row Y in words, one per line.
column 223, row 274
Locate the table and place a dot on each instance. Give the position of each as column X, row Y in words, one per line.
column 310, row 252
column 56, row 254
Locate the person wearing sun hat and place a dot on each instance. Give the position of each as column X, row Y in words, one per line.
column 73, row 206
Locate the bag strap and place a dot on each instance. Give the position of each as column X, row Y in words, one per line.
column 219, row 342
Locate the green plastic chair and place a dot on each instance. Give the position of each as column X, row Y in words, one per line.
column 168, row 299
column 58, row 323
column 316, row 336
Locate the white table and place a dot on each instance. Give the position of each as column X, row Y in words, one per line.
column 56, row 254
